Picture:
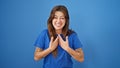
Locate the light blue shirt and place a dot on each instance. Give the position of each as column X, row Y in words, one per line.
column 63, row 59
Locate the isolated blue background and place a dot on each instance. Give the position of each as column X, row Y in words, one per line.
column 97, row 23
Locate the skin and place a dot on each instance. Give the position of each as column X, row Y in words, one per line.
column 58, row 23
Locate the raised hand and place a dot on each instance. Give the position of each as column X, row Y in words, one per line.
column 63, row 44
column 76, row 54
column 53, row 44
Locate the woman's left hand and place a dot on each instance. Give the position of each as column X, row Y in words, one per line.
column 76, row 54
column 63, row 44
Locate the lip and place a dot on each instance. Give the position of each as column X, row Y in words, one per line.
column 58, row 25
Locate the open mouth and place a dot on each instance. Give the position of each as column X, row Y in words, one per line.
column 58, row 25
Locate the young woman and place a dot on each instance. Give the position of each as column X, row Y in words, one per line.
column 58, row 43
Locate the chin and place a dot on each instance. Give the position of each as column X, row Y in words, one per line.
column 58, row 28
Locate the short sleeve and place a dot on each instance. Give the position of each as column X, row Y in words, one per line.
column 40, row 41
column 76, row 42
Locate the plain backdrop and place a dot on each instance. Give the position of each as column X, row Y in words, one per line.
column 97, row 23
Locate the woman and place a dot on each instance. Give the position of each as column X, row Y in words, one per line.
column 58, row 43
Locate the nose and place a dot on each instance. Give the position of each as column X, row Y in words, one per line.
column 58, row 20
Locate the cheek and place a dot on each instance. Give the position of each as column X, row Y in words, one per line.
column 53, row 22
column 64, row 22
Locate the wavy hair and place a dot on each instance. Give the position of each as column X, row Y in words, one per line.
column 51, row 29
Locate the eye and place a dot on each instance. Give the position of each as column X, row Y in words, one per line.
column 62, row 18
column 55, row 17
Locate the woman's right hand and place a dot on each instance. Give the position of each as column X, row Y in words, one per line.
column 53, row 44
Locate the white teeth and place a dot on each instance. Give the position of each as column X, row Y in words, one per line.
column 58, row 25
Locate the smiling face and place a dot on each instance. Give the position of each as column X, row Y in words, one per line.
column 58, row 21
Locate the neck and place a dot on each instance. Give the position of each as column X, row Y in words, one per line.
column 58, row 31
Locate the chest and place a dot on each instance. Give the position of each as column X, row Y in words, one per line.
column 47, row 42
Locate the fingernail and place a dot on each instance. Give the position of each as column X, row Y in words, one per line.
column 58, row 34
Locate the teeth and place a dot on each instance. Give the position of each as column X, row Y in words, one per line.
column 58, row 25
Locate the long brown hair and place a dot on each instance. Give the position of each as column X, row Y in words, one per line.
column 51, row 29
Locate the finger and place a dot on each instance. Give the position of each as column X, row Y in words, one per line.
column 56, row 40
column 60, row 38
column 66, row 38
column 51, row 39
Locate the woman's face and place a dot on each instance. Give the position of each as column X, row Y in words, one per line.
column 58, row 21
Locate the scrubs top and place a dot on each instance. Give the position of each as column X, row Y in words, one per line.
column 63, row 59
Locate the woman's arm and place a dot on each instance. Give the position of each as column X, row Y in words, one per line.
column 76, row 54
column 39, row 53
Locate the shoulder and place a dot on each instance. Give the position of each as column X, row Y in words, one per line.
column 72, row 33
column 43, row 33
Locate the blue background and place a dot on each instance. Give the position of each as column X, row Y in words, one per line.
column 97, row 23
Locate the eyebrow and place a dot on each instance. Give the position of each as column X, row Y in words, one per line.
column 60, row 16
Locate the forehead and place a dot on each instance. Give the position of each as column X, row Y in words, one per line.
column 59, row 13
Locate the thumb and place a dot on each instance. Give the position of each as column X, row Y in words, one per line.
column 51, row 40
column 67, row 38
column 56, row 39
